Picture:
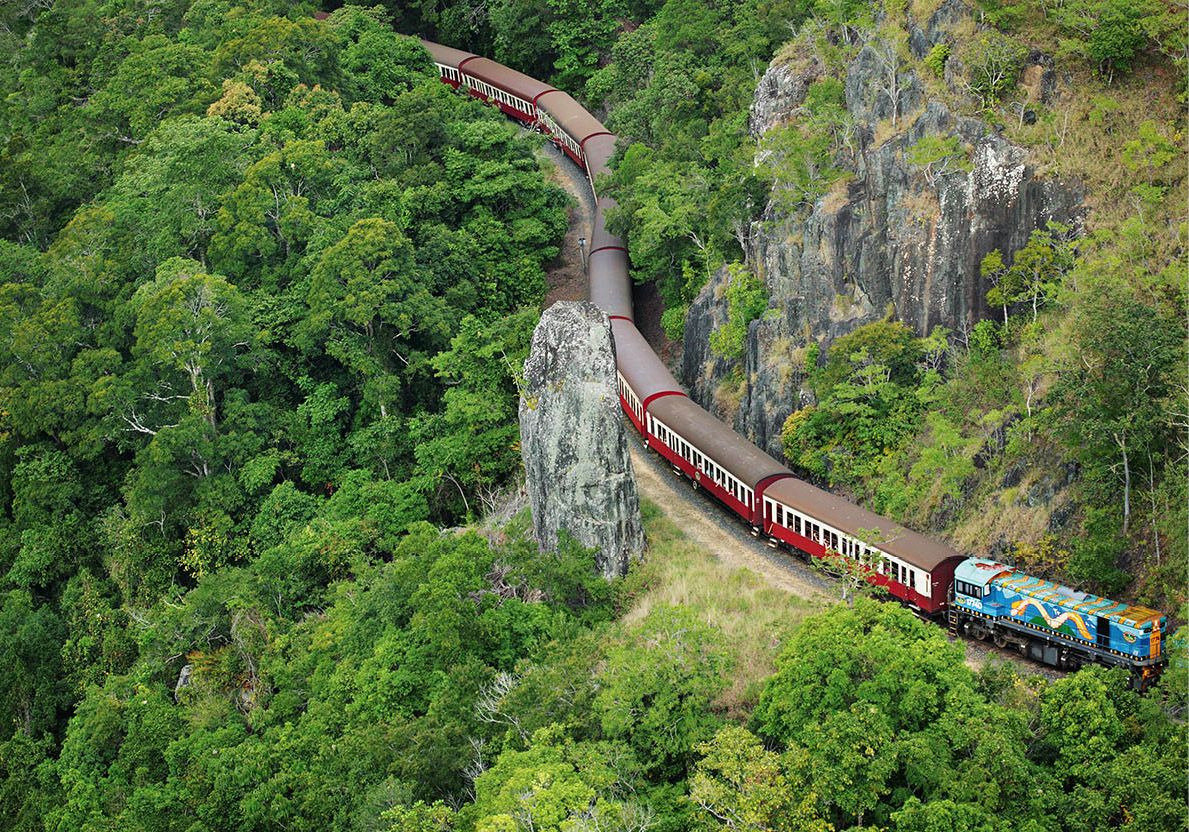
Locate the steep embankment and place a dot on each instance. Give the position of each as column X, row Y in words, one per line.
column 1002, row 262
column 927, row 194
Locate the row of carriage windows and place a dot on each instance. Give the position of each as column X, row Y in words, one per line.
column 517, row 103
column 702, row 462
column 630, row 397
column 499, row 95
column 783, row 515
column 806, row 527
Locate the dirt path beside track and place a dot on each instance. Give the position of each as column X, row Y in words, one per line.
column 714, row 529
column 565, row 274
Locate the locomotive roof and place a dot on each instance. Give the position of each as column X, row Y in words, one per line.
column 570, row 115
column 445, row 54
column 980, row 571
column 732, row 452
column 509, row 80
column 1073, row 599
column 610, row 286
column 890, row 537
column 638, row 364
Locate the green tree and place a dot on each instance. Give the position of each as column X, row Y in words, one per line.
column 741, row 785
column 992, row 61
column 747, row 298
column 657, row 687
column 1108, row 33
column 1113, row 405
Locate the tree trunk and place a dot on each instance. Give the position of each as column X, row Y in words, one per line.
column 1121, row 441
column 1152, row 499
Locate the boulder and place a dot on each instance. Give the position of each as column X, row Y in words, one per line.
column 573, row 440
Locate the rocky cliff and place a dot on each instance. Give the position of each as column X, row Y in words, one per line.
column 572, row 439
column 892, row 237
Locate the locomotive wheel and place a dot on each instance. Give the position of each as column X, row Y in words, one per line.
column 1000, row 641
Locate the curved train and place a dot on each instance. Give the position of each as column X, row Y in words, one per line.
column 977, row 597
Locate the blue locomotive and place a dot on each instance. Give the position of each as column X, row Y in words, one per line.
column 1054, row 624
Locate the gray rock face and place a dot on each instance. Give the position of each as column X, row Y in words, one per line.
column 780, row 91
column 897, row 237
column 573, row 440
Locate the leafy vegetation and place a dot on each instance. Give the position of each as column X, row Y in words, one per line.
column 677, row 90
column 266, row 289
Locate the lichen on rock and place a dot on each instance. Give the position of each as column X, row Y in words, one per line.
column 573, row 441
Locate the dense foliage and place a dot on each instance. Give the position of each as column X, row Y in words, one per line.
column 266, row 286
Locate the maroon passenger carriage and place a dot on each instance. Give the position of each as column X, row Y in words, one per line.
column 760, row 490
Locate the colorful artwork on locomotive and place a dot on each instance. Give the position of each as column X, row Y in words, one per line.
column 1004, row 597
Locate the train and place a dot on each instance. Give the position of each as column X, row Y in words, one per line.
column 975, row 597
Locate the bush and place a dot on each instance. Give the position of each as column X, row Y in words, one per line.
column 993, row 62
column 937, row 58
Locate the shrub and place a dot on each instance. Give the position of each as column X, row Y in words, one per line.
column 937, row 58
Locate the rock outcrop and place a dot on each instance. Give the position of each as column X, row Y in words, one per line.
column 573, row 440
column 895, row 237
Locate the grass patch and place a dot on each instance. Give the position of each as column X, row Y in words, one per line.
column 753, row 618
column 922, row 10
column 727, row 397
column 921, row 206
column 837, row 197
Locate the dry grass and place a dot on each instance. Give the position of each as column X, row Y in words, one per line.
column 727, row 396
column 836, row 198
column 1003, row 513
column 1084, row 134
column 921, row 205
column 797, row 53
column 922, row 10
column 753, row 618
column 885, row 130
